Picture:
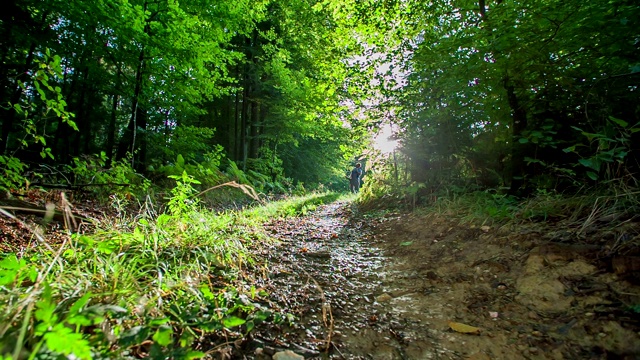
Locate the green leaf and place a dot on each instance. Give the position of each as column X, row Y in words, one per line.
column 250, row 326
column 17, row 108
column 11, row 263
column 134, row 336
column 63, row 340
column 158, row 321
column 621, row 154
column 592, row 175
column 260, row 316
column 619, row 122
column 163, row 336
column 232, row 321
column 194, row 355
column 211, row 326
column 108, row 246
column 523, row 140
column 80, row 303
column 590, row 163
column 406, row 243
column 46, row 308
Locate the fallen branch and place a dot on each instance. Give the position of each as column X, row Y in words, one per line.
column 250, row 191
column 76, row 186
column 49, row 212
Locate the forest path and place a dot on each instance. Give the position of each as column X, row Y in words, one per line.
column 390, row 286
column 328, row 262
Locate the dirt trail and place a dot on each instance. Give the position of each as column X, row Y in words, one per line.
column 389, row 288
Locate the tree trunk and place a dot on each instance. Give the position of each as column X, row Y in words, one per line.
column 518, row 150
column 141, row 136
column 255, row 130
column 236, row 129
column 244, row 142
column 127, row 142
column 82, row 120
column 111, row 129
column 60, row 143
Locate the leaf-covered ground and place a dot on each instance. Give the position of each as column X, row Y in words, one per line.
column 426, row 287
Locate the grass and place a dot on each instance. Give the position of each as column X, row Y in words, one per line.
column 294, row 206
column 581, row 210
column 145, row 285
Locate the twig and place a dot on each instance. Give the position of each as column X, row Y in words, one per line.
column 250, row 191
column 326, row 308
column 67, row 213
column 76, row 186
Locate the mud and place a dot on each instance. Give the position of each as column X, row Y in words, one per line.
column 389, row 287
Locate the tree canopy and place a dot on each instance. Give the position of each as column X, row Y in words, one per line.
column 498, row 93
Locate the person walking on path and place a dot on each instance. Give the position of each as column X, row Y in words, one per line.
column 356, row 176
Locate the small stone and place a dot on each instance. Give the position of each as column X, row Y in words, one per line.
column 589, row 314
column 287, row 355
column 532, row 315
column 536, row 333
column 601, row 335
column 384, row 298
column 533, row 350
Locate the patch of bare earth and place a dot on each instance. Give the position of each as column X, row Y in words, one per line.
column 532, row 296
column 399, row 287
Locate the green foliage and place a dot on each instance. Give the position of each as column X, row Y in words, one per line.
column 193, row 143
column 234, row 172
column 47, row 69
column 191, row 79
column 519, row 73
column 12, row 170
column 606, row 150
column 182, row 202
column 119, row 179
column 206, row 172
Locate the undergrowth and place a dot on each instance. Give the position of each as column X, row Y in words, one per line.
column 582, row 209
column 611, row 202
column 174, row 285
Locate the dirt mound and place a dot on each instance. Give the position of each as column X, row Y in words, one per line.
column 530, row 297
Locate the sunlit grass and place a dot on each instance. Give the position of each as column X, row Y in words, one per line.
column 172, row 281
column 293, row 206
column 486, row 207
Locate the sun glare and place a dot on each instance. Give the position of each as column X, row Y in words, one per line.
column 383, row 142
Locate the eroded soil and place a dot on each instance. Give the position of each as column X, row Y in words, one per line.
column 390, row 288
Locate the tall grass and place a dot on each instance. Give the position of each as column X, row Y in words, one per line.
column 577, row 210
column 173, row 285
